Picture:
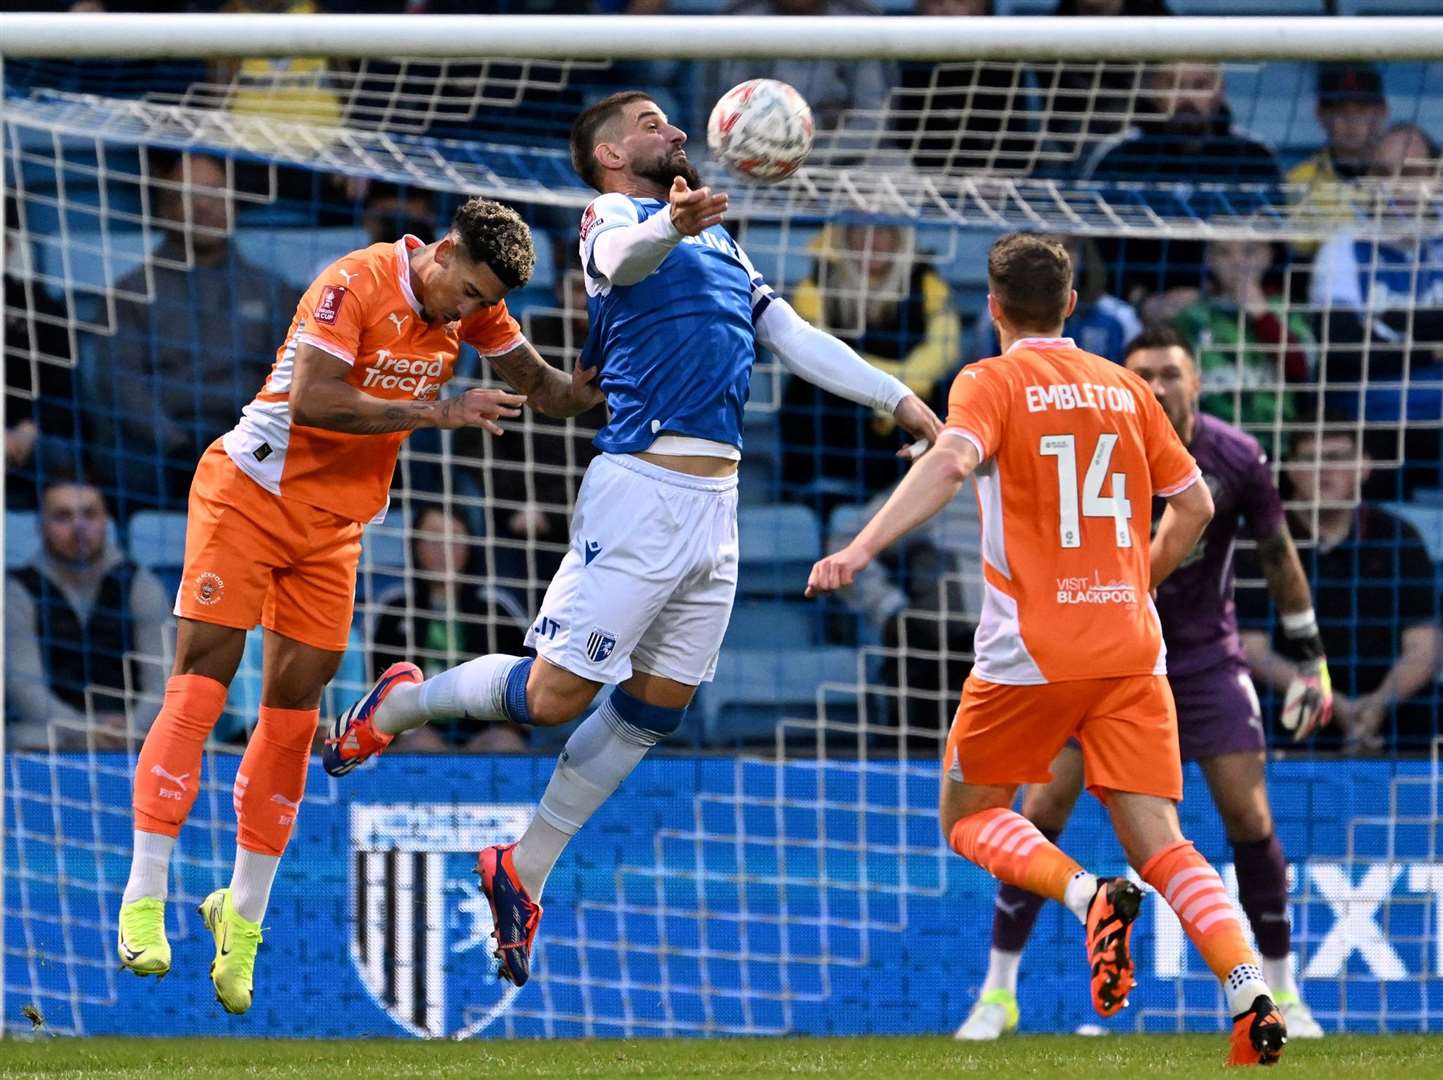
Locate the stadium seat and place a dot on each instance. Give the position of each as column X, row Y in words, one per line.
column 1390, row 7
column 1244, row 7
column 22, row 538
column 296, row 256
column 1428, row 520
column 1276, row 102
column 772, row 624
column 244, row 700
column 755, row 689
column 156, row 539
column 779, row 544
column 384, row 546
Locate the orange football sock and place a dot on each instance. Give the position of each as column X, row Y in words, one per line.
column 1010, row 848
column 272, row 778
column 1193, row 889
column 167, row 776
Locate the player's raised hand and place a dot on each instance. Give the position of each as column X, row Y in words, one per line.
column 694, row 211
column 837, row 571
column 919, row 421
column 479, row 408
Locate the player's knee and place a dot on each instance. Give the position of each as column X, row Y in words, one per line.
column 655, row 722
column 1247, row 825
column 1047, row 811
column 549, row 706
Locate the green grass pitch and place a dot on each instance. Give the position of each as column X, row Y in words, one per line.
column 1139, row 1056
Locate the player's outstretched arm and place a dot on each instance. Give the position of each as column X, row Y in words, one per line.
column 927, row 487
column 1186, row 516
column 625, row 254
column 827, row 361
column 321, row 397
column 549, row 390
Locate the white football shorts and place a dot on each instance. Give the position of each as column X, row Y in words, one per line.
column 650, row 578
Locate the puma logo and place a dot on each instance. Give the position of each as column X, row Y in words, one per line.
column 284, row 817
column 281, row 800
column 399, row 320
column 178, row 781
column 1010, row 910
column 345, row 274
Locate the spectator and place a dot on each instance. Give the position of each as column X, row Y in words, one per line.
column 1089, row 102
column 439, row 617
column 922, row 599
column 847, row 97
column 1353, row 112
column 1188, row 138
column 871, row 289
column 82, row 625
column 196, row 333
column 41, row 438
column 533, row 471
column 1247, row 342
column 1101, row 323
column 963, row 117
column 1376, row 596
column 1381, row 304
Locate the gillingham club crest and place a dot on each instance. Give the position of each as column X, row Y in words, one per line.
column 420, row 927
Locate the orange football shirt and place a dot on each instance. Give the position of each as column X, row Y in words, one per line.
column 361, row 310
column 1073, row 449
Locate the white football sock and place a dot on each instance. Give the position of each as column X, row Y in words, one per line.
column 1002, row 971
column 475, row 690
column 600, row 754
column 1279, row 974
column 250, row 883
column 1080, row 891
column 1243, row 984
column 149, row 867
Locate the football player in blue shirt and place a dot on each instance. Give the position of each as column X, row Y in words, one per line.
column 643, row 597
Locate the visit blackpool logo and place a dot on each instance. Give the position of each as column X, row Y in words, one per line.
column 420, row 928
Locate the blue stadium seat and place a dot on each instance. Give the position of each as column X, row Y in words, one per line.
column 1248, row 7
column 779, row 544
column 1390, row 7
column 296, row 256
column 22, row 538
column 244, row 700
column 1276, row 102
column 776, row 624
column 156, row 539
column 755, row 689
column 1428, row 520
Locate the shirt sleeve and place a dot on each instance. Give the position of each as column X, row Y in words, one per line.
column 1171, row 467
column 977, row 408
column 611, row 211
column 1261, row 505
column 491, row 331
column 331, row 314
column 762, row 294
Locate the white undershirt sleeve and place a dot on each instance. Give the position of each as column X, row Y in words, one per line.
column 825, row 361
column 625, row 254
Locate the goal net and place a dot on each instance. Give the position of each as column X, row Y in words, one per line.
column 777, row 867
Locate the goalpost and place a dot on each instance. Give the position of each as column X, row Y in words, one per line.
column 762, row 888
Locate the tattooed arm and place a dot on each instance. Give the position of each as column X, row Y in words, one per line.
column 548, row 389
column 321, row 397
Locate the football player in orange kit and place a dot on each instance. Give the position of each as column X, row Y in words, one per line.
column 273, row 536
column 1068, row 450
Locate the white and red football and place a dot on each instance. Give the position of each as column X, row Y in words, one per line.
column 761, row 129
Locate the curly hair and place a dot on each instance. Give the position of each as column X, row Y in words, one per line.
column 495, row 235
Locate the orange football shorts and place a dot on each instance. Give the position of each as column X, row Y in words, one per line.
column 251, row 557
column 1127, row 726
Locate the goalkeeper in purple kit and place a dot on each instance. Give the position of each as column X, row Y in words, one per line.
column 1219, row 721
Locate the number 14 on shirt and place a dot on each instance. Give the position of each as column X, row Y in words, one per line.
column 1094, row 504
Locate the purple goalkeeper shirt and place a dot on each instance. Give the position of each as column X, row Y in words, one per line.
column 1199, row 620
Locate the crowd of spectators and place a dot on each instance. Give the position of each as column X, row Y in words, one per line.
column 1330, row 351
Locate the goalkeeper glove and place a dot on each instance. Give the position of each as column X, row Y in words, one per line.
column 1308, row 705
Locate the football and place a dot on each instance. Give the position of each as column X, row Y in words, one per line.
column 761, row 129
